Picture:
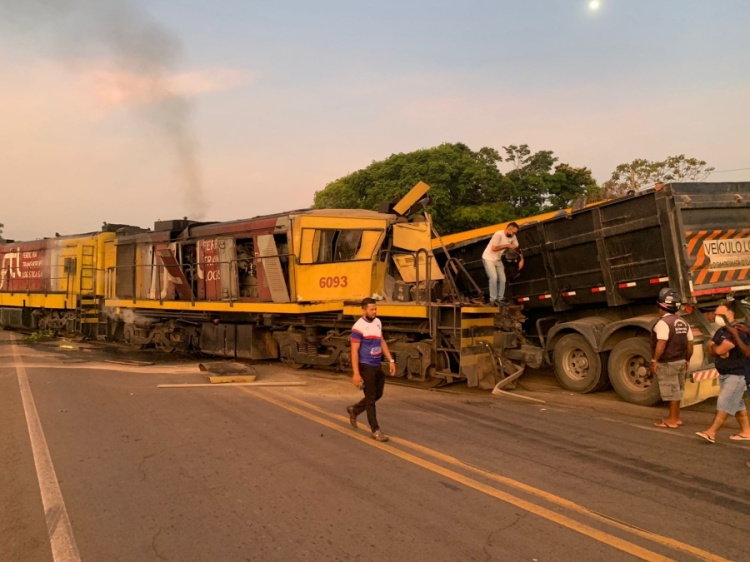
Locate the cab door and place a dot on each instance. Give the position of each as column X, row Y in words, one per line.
column 216, row 269
column 335, row 257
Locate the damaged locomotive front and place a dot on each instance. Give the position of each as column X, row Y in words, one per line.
column 287, row 287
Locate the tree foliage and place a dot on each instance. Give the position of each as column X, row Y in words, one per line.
column 468, row 190
column 641, row 173
column 539, row 184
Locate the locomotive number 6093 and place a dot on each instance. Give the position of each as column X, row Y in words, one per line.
column 333, row 282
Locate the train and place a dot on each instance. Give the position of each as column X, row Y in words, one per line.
column 286, row 286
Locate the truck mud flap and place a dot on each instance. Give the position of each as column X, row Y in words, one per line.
column 700, row 386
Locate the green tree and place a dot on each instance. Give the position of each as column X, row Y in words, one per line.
column 681, row 168
column 467, row 188
column 540, row 184
column 569, row 184
column 632, row 177
column 642, row 173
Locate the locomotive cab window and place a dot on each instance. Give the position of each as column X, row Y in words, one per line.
column 69, row 266
column 338, row 245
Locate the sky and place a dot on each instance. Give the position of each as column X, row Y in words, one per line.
column 129, row 112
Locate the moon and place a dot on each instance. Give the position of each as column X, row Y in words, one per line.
column 594, row 5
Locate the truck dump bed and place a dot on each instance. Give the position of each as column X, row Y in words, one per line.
column 591, row 278
column 694, row 237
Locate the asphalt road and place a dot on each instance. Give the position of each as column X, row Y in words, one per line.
column 276, row 473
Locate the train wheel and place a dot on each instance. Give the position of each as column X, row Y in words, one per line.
column 128, row 336
column 163, row 342
column 629, row 372
column 44, row 324
column 165, row 347
column 577, row 366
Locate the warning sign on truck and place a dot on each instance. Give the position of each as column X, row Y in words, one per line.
column 719, row 255
column 727, row 254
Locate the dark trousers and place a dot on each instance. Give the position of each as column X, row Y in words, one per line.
column 374, row 379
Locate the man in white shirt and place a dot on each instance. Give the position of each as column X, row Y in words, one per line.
column 501, row 241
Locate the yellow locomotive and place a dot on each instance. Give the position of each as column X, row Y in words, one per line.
column 288, row 286
column 54, row 284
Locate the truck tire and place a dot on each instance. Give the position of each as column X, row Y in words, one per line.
column 577, row 366
column 629, row 372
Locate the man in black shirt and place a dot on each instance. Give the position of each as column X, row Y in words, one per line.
column 732, row 366
column 741, row 336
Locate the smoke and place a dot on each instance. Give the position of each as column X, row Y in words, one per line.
column 128, row 316
column 120, row 35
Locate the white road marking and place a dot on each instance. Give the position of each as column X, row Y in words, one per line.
column 64, row 548
column 147, row 370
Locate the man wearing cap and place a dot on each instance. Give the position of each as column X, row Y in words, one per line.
column 672, row 347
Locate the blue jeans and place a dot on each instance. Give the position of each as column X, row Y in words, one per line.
column 496, row 274
column 731, row 390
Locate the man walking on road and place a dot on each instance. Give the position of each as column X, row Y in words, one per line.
column 501, row 241
column 743, row 342
column 368, row 346
column 732, row 366
column 672, row 347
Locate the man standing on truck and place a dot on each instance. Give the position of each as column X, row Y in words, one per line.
column 368, row 347
column 501, row 241
column 672, row 347
column 729, row 345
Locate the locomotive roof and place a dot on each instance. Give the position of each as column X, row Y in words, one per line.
column 351, row 213
column 200, row 229
column 337, row 213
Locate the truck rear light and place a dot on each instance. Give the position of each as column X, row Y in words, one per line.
column 704, row 292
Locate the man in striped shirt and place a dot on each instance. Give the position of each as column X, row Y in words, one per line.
column 368, row 347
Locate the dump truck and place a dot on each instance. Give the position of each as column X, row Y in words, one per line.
column 592, row 275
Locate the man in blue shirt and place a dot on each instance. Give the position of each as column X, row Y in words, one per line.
column 368, row 347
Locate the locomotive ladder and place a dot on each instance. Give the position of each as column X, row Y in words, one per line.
column 88, row 270
column 88, row 318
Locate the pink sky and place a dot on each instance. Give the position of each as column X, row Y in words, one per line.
column 78, row 147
